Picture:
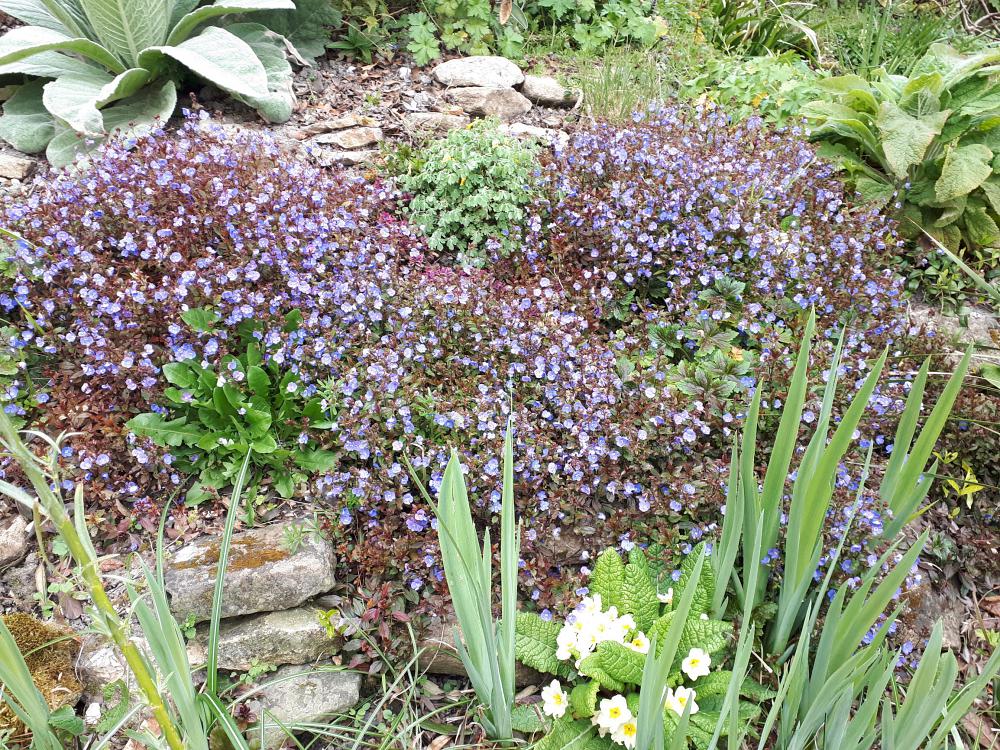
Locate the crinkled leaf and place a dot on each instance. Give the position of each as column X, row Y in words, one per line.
column 278, row 103
column 702, row 601
column 710, row 636
column 26, row 124
column 620, row 662
column 965, row 168
column 535, row 644
column 905, row 138
column 608, row 578
column 77, row 98
column 639, row 592
column 980, row 227
column 593, row 666
column 528, row 718
column 567, row 734
column 583, row 699
column 878, row 192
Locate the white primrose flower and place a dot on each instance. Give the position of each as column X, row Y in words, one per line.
column 667, row 598
column 565, row 643
column 697, row 664
column 626, row 734
column 639, row 643
column 554, row 700
column 678, row 699
column 612, row 714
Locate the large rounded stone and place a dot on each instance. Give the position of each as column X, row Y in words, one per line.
column 548, row 92
column 505, row 104
column 478, row 70
column 264, row 573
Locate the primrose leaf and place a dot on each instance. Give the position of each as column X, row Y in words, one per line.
column 608, row 579
column 710, row 636
column 535, row 644
column 528, row 719
column 593, row 666
column 583, row 699
column 638, row 592
column 620, row 662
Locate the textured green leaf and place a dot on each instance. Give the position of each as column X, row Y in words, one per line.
column 905, row 138
column 593, row 666
column 601, row 743
column 567, row 734
column 621, row 663
column 535, row 644
column 980, row 227
column 308, row 27
column 179, row 373
column 874, row 191
column 32, row 13
column 278, row 103
column 48, row 65
column 24, row 42
column 991, row 189
column 219, row 57
column 26, row 124
column 702, row 601
column 77, row 98
column 965, row 168
column 660, row 628
column 183, row 28
column 528, row 719
column 258, row 380
column 639, row 592
column 316, row 460
column 583, row 699
column 127, row 27
column 710, row 636
column 172, row 433
column 608, row 578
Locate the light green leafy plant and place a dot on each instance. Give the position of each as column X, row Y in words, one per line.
column 471, row 189
column 97, row 67
column 760, row 27
column 929, row 141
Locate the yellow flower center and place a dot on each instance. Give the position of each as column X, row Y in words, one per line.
column 615, row 712
column 557, row 699
column 629, row 730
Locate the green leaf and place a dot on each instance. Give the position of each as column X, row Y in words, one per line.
column 28, row 41
column 26, row 124
column 200, row 319
column 277, row 105
column 608, row 579
column 583, row 699
column 127, row 27
column 593, row 666
column 180, row 374
column 63, row 719
column 77, row 98
column 905, row 138
column 221, row 58
column 535, row 644
column 620, row 662
column 315, row 460
column 702, row 601
column 980, row 227
column 567, row 734
column 660, row 628
column 173, row 433
column 48, row 65
column 308, row 27
column 639, row 592
column 965, row 168
column 265, row 445
column 32, row 13
column 874, row 191
column 528, row 719
column 710, row 636
column 258, row 380
column 182, row 30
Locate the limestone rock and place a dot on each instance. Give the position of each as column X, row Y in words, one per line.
column 980, row 327
column 933, row 601
column 263, row 573
column 548, row 92
column 328, row 157
column 15, row 167
column 351, row 138
column 300, row 694
column 548, row 136
column 506, row 104
column 478, row 70
column 433, row 122
column 98, row 665
column 292, row 636
column 13, row 540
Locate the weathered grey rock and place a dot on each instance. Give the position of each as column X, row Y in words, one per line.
column 979, row 327
column 301, row 695
column 548, row 136
column 933, row 601
column 98, row 665
column 13, row 540
column 263, row 574
column 478, row 70
column 291, row 636
column 15, row 167
column 351, row 138
column 439, row 656
column 548, row 92
column 433, row 122
column 330, row 157
column 506, row 104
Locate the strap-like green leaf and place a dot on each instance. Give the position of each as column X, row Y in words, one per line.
column 27, row 41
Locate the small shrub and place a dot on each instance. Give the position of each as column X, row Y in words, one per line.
column 470, row 191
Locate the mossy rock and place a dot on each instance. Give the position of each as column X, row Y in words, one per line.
column 49, row 655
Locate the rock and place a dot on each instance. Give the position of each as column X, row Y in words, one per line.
column 291, row 636
column 433, row 122
column 98, row 665
column 548, row 92
column 478, row 70
column 19, row 583
column 979, row 327
column 311, row 697
column 548, row 136
column 327, row 157
column 506, row 104
column 350, row 138
column 933, row 601
column 13, row 540
column 15, row 167
column 350, row 120
column 263, row 574
column 438, row 655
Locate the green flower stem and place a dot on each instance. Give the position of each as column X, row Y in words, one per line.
column 82, row 554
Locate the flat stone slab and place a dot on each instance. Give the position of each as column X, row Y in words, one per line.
column 291, row 636
column 478, row 70
column 264, row 573
column 483, row 101
column 433, row 122
column 294, row 695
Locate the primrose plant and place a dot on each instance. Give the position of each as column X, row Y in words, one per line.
column 96, row 67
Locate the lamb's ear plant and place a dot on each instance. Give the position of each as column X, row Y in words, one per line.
column 97, row 67
column 485, row 646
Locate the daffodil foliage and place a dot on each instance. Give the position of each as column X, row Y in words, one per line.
column 597, row 655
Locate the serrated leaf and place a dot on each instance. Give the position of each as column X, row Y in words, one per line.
column 621, row 663
column 639, row 592
column 905, row 138
column 593, row 666
column 567, row 734
column 965, row 168
column 26, row 124
column 535, row 644
column 583, row 699
column 173, row 433
column 608, row 578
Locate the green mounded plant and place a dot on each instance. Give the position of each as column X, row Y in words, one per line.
column 760, row 27
column 929, row 141
column 97, row 67
column 248, row 404
column 471, row 190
